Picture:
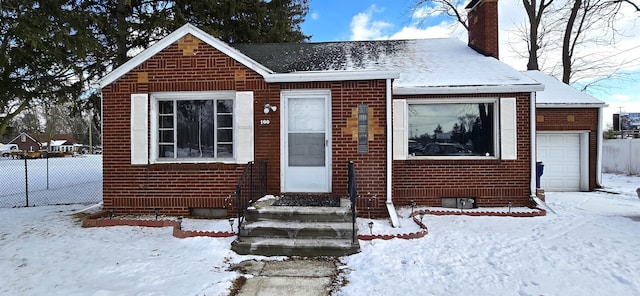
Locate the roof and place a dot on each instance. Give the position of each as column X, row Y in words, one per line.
column 557, row 94
column 425, row 65
column 422, row 66
column 269, row 75
column 14, row 141
column 44, row 138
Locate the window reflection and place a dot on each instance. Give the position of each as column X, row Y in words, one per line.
column 456, row 129
column 203, row 129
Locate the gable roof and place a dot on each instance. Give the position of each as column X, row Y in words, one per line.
column 422, row 66
column 557, row 94
column 268, row 74
column 14, row 141
column 45, row 138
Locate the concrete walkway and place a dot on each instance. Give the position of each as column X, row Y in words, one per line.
column 291, row 278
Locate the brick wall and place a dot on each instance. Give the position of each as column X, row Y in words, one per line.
column 483, row 27
column 577, row 119
column 491, row 182
column 174, row 188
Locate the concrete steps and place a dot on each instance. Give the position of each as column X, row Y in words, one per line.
column 296, row 231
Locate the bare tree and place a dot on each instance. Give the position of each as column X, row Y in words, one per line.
column 535, row 11
column 582, row 18
column 567, row 26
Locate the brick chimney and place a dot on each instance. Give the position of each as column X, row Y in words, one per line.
column 483, row 26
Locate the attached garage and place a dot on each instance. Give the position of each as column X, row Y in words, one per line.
column 568, row 141
column 565, row 159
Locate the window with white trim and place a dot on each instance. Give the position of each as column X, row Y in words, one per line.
column 455, row 128
column 452, row 129
column 195, row 127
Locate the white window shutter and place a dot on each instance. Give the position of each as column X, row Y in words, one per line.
column 139, row 129
column 244, row 143
column 508, row 130
column 400, row 146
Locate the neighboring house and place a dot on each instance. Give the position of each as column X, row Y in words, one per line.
column 59, row 143
column 35, row 142
column 569, row 136
column 26, row 142
column 422, row 120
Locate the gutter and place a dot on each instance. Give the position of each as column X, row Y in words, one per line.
column 599, row 149
column 314, row 76
column 393, row 215
column 472, row 89
column 534, row 156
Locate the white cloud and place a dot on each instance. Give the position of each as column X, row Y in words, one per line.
column 364, row 28
column 620, row 97
column 315, row 16
column 442, row 30
column 424, row 12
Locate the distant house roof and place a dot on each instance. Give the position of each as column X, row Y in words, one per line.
column 15, row 140
column 557, row 94
column 422, row 66
column 45, row 138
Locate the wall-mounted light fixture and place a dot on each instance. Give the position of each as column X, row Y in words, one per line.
column 268, row 108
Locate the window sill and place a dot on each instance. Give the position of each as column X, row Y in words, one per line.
column 452, row 158
column 193, row 161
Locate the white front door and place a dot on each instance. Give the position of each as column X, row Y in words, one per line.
column 306, row 135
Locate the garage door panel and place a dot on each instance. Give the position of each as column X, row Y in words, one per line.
column 560, row 154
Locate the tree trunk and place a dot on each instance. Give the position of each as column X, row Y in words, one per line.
column 567, row 52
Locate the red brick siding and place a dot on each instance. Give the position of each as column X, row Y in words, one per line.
column 491, row 182
column 174, row 188
column 585, row 119
column 483, row 27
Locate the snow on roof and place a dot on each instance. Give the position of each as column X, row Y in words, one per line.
column 421, row 66
column 425, row 65
column 557, row 94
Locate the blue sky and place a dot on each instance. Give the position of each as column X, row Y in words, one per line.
column 333, row 20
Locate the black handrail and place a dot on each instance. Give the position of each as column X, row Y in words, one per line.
column 353, row 192
column 251, row 186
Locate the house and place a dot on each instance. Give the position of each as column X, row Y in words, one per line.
column 60, row 143
column 40, row 141
column 568, row 136
column 26, row 142
column 429, row 121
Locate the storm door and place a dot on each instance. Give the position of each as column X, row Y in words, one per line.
column 306, row 157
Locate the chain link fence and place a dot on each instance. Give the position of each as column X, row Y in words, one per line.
column 50, row 181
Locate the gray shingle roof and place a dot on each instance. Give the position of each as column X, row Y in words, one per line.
column 423, row 64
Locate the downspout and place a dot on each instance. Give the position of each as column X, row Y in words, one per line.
column 599, row 150
column 393, row 215
column 534, row 156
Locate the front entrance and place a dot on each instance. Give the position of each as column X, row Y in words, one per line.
column 306, row 141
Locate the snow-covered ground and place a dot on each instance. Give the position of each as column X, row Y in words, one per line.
column 51, row 181
column 591, row 246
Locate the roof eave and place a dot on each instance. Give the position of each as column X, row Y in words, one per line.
column 170, row 39
column 470, row 89
column 571, row 105
column 330, row 76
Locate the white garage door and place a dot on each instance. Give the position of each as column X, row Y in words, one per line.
column 560, row 154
